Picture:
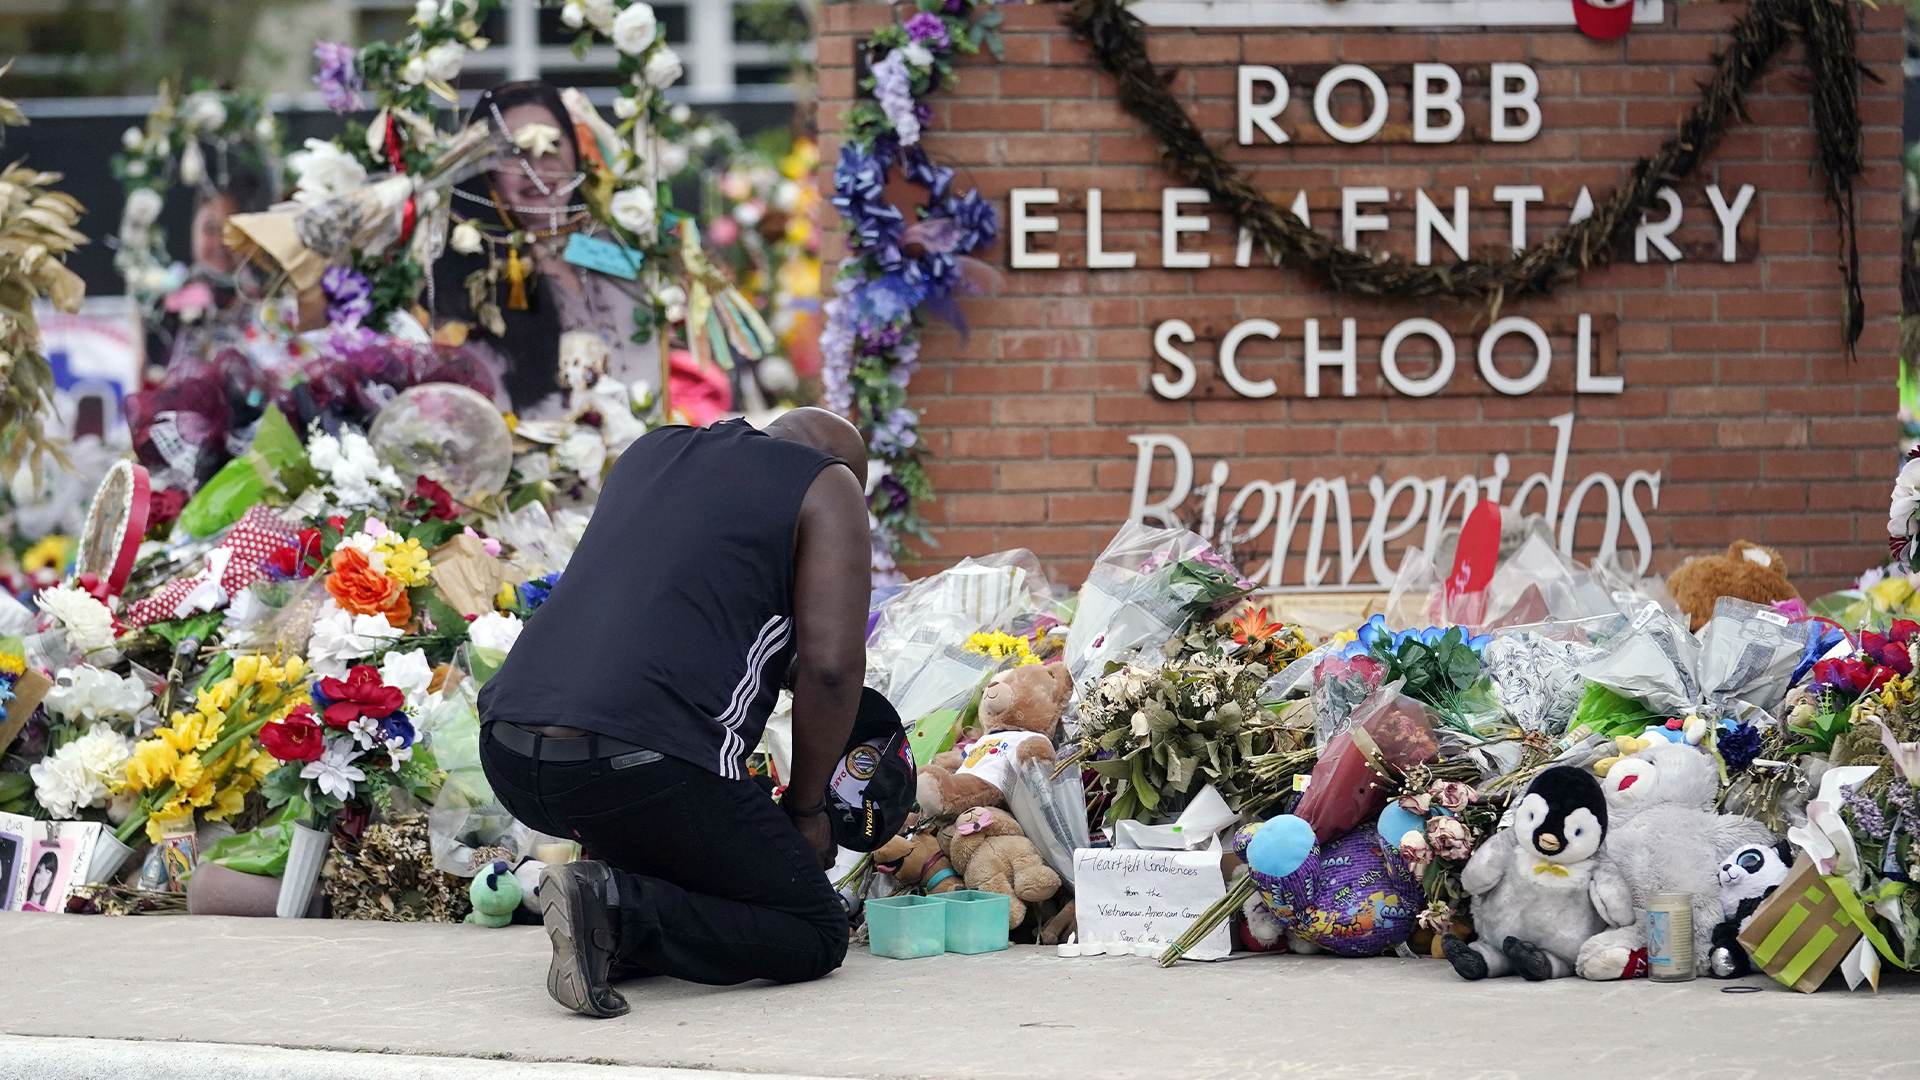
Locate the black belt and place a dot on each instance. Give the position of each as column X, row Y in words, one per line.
column 619, row 753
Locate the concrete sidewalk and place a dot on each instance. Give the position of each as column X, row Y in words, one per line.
column 467, row 992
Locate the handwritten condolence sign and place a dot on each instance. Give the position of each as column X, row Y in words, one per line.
column 1154, row 896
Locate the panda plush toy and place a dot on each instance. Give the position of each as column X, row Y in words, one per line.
column 1543, row 886
column 1747, row 878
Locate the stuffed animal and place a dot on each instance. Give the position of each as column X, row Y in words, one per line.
column 1353, row 896
column 917, row 861
column 992, row 854
column 1020, row 709
column 1747, row 877
column 495, row 893
column 1664, row 836
column 1542, row 887
column 1747, row 571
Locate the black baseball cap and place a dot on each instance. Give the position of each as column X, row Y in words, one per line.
column 872, row 790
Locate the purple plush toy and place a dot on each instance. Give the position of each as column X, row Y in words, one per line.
column 1354, row 896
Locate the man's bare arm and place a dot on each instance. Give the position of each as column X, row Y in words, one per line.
column 830, row 622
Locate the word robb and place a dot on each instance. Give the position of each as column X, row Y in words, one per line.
column 1435, row 501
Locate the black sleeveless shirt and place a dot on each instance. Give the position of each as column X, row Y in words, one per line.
column 673, row 623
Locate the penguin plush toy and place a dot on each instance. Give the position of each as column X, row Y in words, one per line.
column 1542, row 886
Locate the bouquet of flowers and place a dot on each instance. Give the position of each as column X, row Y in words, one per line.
column 206, row 759
column 352, row 742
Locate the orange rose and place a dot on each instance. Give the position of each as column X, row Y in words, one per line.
column 357, row 587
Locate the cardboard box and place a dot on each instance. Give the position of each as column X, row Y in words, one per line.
column 1801, row 932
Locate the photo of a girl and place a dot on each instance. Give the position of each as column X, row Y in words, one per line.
column 518, row 295
column 47, row 881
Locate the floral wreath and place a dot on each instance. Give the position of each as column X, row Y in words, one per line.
column 870, row 345
column 169, row 148
column 625, row 166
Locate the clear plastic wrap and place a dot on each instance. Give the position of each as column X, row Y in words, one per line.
column 1559, row 587
column 1738, row 668
column 1347, row 787
column 916, row 626
column 1537, row 678
column 1141, row 592
column 1053, row 811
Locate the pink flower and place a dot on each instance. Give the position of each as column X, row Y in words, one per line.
column 1416, row 804
column 1449, row 839
column 1415, row 849
column 1452, row 794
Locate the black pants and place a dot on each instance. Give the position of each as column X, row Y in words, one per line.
column 714, row 884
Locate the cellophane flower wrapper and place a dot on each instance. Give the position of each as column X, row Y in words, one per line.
column 1340, row 685
column 926, row 624
column 1053, row 812
column 1565, row 589
column 1346, row 787
column 1538, row 679
column 1129, row 604
column 1738, row 668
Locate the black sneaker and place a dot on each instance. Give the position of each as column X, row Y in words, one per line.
column 573, row 906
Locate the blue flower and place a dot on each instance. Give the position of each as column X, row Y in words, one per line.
column 397, row 728
column 535, row 592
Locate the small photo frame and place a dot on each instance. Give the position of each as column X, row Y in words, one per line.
column 48, row 869
column 13, row 847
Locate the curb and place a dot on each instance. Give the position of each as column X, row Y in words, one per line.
column 30, row 1057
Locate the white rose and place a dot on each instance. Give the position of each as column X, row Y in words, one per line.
column 663, row 68
column 324, row 170
column 572, row 15
column 264, row 129
column 673, row 158
column 680, row 113
column 917, row 55
column 626, row 107
column 407, row 672
column 465, row 239
column 137, row 168
column 425, row 11
column 131, row 138
column 1906, row 500
column 633, row 29
column 142, row 209
column 494, row 631
column 634, row 210
column 443, row 61
column 670, row 295
column 414, row 72
column 204, row 112
column 601, row 14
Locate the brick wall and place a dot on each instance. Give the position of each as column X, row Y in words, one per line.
column 1737, row 390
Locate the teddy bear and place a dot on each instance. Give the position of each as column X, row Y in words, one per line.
column 1020, row 709
column 495, row 892
column 1663, row 835
column 917, row 861
column 1542, row 886
column 1353, row 895
column 1747, row 571
column 992, row 854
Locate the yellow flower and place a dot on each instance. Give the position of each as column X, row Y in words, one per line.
column 12, row 664
column 246, row 669
column 150, row 766
column 49, row 553
column 506, row 597
column 407, row 561
column 1889, row 592
column 227, row 803
column 1002, row 647
column 187, row 770
column 182, row 733
column 293, row 671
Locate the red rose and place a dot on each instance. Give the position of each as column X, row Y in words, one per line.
column 297, row 738
column 433, row 500
column 360, row 694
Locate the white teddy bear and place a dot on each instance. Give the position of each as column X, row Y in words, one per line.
column 1664, row 836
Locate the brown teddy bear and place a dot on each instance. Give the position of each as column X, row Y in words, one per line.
column 918, row 861
column 1747, row 571
column 992, row 854
column 1020, row 709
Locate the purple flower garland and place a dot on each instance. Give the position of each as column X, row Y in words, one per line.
column 870, row 345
